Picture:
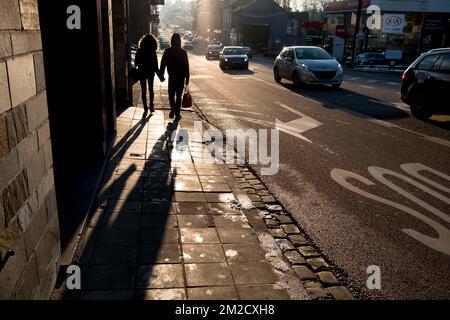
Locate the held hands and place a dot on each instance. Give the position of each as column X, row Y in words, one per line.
column 161, row 77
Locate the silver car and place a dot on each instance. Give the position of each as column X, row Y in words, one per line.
column 308, row 65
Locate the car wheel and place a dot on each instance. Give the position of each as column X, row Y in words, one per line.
column 246, row 66
column 296, row 80
column 336, row 86
column 419, row 107
column 276, row 75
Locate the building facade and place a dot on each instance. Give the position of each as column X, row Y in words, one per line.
column 259, row 24
column 421, row 25
column 63, row 78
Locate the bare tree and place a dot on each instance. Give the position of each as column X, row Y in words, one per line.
column 286, row 4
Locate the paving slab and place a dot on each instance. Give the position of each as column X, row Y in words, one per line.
column 253, row 273
column 213, row 293
column 203, row 253
column 241, row 235
column 199, row 235
column 110, row 277
column 262, row 292
column 159, row 276
column 208, row 274
column 159, row 253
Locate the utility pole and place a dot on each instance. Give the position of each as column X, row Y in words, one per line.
column 355, row 36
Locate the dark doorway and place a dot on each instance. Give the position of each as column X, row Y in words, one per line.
column 79, row 94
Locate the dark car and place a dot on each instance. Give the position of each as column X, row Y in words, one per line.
column 212, row 51
column 232, row 57
column 249, row 52
column 368, row 58
column 426, row 84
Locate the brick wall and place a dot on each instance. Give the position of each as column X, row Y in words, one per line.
column 28, row 214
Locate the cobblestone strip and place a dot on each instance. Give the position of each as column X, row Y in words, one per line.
column 321, row 278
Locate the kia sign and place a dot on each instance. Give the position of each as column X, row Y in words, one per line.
column 393, row 23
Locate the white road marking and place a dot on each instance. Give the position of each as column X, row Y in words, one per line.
column 361, row 115
column 298, row 126
column 440, row 243
column 367, row 87
column 438, row 140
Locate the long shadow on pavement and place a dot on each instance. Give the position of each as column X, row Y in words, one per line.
column 349, row 101
column 131, row 226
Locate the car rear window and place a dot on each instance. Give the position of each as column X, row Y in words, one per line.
column 427, row 62
column 234, row 51
column 445, row 64
column 312, row 54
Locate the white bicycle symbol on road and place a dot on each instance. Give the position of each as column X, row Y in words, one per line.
column 440, row 243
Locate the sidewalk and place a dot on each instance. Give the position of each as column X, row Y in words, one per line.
column 168, row 227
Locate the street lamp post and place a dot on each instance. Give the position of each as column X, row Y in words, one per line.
column 355, row 36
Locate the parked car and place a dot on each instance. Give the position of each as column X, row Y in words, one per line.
column 374, row 59
column 188, row 45
column 426, row 84
column 212, row 51
column 308, row 65
column 370, row 58
column 249, row 52
column 233, row 57
column 164, row 42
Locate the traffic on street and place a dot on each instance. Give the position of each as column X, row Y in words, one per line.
column 362, row 176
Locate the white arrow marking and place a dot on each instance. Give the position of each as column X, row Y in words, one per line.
column 298, row 126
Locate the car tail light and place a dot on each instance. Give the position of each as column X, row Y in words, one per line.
column 404, row 75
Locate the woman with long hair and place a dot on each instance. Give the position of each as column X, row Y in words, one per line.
column 147, row 66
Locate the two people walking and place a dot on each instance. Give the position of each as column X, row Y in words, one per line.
column 176, row 61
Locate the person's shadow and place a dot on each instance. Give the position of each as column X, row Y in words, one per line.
column 129, row 224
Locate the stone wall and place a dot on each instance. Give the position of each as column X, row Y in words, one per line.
column 29, row 232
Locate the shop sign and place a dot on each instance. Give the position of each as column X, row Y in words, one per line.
column 341, row 31
column 393, row 23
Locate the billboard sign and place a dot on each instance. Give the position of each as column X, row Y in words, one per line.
column 393, row 23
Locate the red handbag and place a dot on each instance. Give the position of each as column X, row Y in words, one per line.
column 187, row 99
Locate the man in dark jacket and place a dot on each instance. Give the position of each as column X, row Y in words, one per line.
column 176, row 60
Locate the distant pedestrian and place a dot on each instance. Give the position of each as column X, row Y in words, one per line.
column 147, row 66
column 176, row 60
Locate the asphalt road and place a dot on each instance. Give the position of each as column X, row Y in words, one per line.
column 402, row 223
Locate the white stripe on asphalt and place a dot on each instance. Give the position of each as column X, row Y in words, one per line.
column 436, row 140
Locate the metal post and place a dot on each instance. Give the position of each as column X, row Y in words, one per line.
column 358, row 21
